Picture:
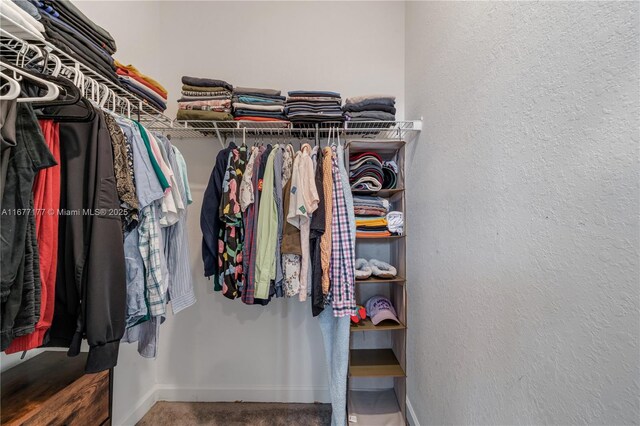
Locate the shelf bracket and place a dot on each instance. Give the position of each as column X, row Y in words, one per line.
column 215, row 125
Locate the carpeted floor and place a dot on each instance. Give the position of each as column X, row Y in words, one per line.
column 237, row 414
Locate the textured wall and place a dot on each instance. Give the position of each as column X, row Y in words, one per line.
column 523, row 209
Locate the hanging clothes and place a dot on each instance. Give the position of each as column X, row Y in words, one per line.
column 304, row 201
column 325, row 240
column 298, row 228
column 259, row 186
column 232, row 234
column 125, row 177
column 248, row 294
column 210, row 219
column 46, row 199
column 20, row 273
column 342, row 267
column 278, row 163
column 267, row 234
column 317, row 229
column 291, row 243
column 91, row 288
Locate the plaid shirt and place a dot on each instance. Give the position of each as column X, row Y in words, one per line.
column 151, row 251
column 342, row 267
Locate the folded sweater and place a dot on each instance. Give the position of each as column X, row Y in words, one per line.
column 206, row 82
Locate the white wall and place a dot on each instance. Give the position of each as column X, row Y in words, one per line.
column 219, row 349
column 523, row 209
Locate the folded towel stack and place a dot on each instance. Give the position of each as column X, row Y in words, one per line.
column 251, row 104
column 370, row 108
column 205, row 99
column 313, row 107
column 144, row 86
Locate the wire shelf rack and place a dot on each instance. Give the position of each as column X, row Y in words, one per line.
column 18, row 52
column 111, row 96
column 379, row 130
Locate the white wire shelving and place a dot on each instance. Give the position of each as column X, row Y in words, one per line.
column 111, row 96
column 104, row 92
column 223, row 130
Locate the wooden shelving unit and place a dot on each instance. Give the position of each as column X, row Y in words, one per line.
column 377, row 357
column 374, row 363
column 388, row 237
column 380, row 193
column 367, row 325
column 373, row 280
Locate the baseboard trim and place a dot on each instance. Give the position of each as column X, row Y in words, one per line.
column 411, row 415
column 138, row 412
column 248, row 393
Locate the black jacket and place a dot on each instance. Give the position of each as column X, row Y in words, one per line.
column 210, row 217
column 91, row 280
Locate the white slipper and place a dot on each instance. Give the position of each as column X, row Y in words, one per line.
column 382, row 269
column 363, row 269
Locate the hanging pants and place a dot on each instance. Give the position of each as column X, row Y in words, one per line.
column 335, row 333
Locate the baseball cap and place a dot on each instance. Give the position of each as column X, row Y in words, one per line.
column 379, row 309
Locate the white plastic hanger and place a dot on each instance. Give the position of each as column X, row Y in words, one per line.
column 53, row 91
column 105, row 95
column 14, row 89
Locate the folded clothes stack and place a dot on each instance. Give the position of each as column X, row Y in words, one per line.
column 72, row 32
column 371, row 227
column 365, row 171
column 313, row 106
column 142, row 85
column 368, row 172
column 251, row 104
column 205, row 99
column 21, row 18
column 370, row 206
column 373, row 218
column 370, row 108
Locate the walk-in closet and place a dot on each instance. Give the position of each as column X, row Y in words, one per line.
column 319, row 213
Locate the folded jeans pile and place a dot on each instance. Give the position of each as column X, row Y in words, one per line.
column 252, row 104
column 370, row 108
column 368, row 172
column 313, row 106
column 205, row 99
column 142, row 85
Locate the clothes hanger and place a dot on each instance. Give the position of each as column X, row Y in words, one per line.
column 38, row 67
column 52, row 90
column 14, row 88
column 76, row 99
